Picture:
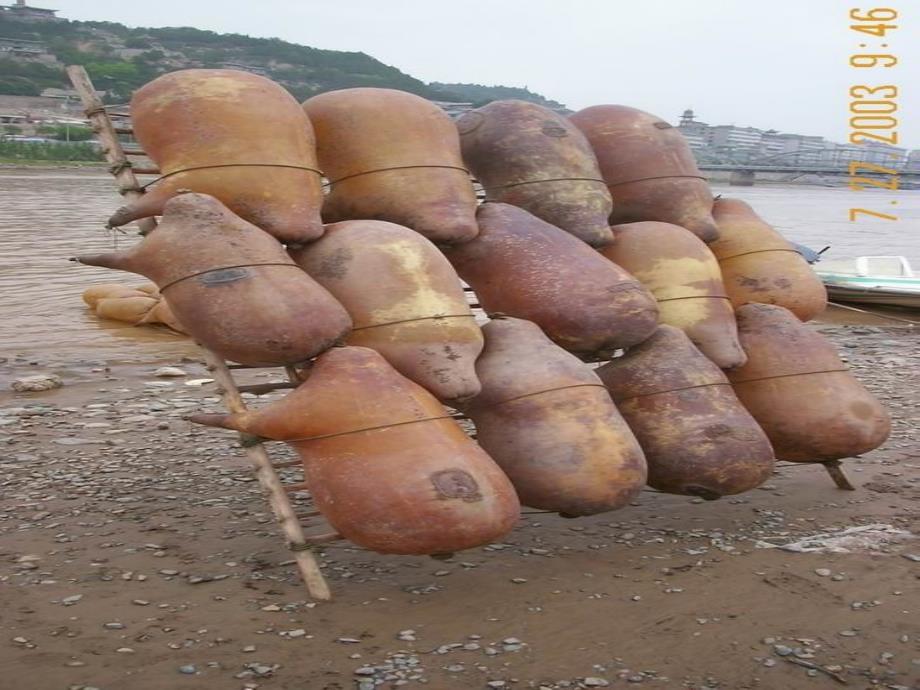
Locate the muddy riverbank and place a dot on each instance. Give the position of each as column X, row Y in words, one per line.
column 136, row 553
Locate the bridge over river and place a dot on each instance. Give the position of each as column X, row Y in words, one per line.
column 791, row 165
column 746, row 174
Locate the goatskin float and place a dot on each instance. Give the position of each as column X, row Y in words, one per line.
column 405, row 300
column 394, row 156
column 233, row 135
column 683, row 275
column 528, row 156
column 384, row 464
column 795, row 385
column 547, row 420
column 649, row 169
column 233, row 287
column 697, row 437
column 759, row 265
column 524, row 267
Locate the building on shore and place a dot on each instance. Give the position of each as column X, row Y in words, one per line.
column 20, row 47
column 738, row 142
column 913, row 160
column 693, row 130
column 26, row 13
column 875, row 153
column 728, row 144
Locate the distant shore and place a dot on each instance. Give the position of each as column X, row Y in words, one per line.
column 12, row 164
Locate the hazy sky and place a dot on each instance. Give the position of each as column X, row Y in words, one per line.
column 780, row 64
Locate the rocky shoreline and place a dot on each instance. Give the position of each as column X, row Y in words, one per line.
column 137, row 552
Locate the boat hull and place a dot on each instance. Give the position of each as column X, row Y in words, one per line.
column 864, row 294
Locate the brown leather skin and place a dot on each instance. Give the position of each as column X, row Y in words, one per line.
column 649, row 169
column 548, row 421
column 199, row 118
column 383, row 465
column 758, row 265
column 683, row 275
column 206, row 261
column 405, row 299
column 522, row 266
column 798, row 389
column 697, row 437
column 391, row 155
column 529, row 156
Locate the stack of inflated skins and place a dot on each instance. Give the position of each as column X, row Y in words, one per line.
column 598, row 239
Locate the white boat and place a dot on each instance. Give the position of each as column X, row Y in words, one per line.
column 880, row 280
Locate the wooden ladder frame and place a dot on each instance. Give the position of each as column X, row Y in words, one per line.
column 266, row 473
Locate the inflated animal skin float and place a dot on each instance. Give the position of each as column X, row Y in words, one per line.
column 529, row 156
column 385, row 464
column 233, row 135
column 391, row 155
column 405, row 299
column 232, row 286
column 547, row 420
column 649, row 169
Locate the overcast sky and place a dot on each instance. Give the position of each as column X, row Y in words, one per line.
column 781, row 64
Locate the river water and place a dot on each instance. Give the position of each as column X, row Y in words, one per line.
column 48, row 216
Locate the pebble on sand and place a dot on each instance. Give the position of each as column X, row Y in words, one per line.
column 38, row 382
column 166, row 372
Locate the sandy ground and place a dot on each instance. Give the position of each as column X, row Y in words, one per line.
column 137, row 553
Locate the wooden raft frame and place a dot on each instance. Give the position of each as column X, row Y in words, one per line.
column 277, row 492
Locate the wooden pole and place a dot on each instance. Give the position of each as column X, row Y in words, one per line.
column 119, row 165
column 271, row 484
column 835, row 470
column 277, row 493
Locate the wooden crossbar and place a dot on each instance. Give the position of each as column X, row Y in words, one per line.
column 271, row 484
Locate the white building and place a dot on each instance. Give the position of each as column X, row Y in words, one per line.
column 745, row 140
column 876, row 153
column 913, row 160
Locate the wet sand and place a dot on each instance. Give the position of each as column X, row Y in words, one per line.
column 136, row 552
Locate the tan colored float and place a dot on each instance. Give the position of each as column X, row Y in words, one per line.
column 232, row 286
column 522, row 266
column 392, row 155
column 94, row 293
column 237, row 136
column 529, row 156
column 137, row 306
column 548, row 421
column 697, row 437
column 649, row 169
column 758, row 265
column 801, row 393
column 683, row 275
column 384, row 464
column 405, row 299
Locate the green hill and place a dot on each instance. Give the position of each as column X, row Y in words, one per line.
column 120, row 59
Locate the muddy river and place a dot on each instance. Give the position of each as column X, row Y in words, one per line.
column 48, row 216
